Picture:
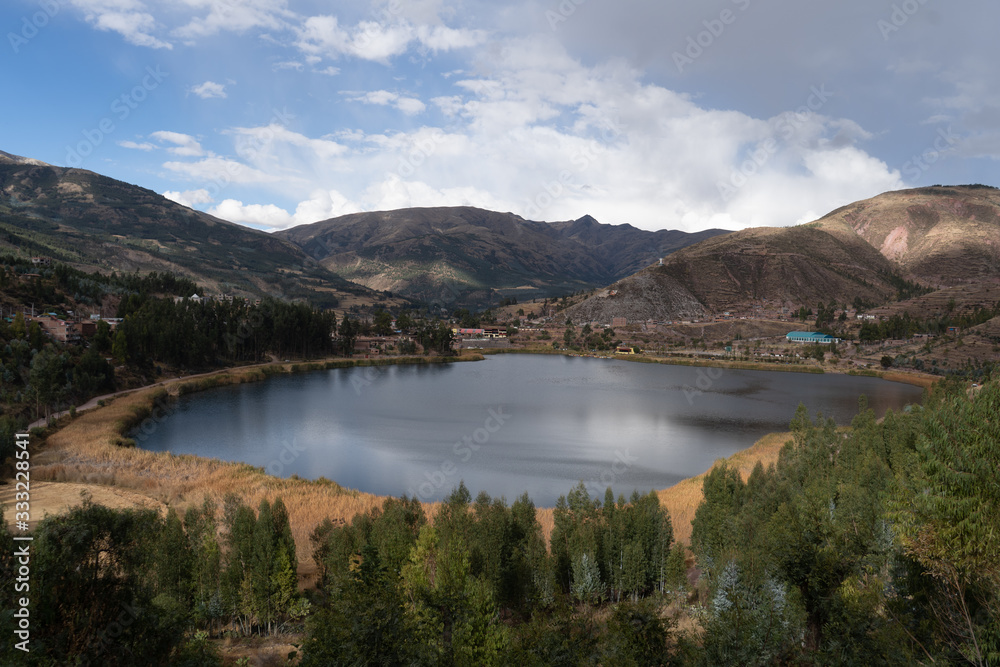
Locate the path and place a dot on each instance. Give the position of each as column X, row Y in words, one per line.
column 92, row 403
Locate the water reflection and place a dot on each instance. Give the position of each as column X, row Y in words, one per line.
column 411, row 429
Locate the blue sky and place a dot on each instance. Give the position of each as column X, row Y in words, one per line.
column 665, row 114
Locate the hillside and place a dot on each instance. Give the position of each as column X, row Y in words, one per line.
column 786, row 266
column 92, row 221
column 940, row 236
column 934, row 237
column 467, row 255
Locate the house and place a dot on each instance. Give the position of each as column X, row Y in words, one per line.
column 619, row 321
column 810, row 338
column 624, row 349
column 41, row 261
column 368, row 345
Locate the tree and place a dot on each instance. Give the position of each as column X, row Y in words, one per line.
column 18, row 328
column 382, row 323
column 92, row 594
column 949, row 518
column 119, row 348
column 48, row 377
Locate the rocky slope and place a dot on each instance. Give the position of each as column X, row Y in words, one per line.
column 941, row 236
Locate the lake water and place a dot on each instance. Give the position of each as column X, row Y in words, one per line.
column 506, row 425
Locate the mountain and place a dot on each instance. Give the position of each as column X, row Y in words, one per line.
column 465, row 255
column 784, row 266
column 95, row 222
column 870, row 250
column 940, row 236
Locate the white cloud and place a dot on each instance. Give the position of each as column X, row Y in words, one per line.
column 184, row 145
column 549, row 138
column 220, row 172
column 259, row 144
column 408, row 105
column 329, row 71
column 377, row 41
column 288, row 64
column 189, row 198
column 143, row 146
column 442, row 38
column 322, row 205
column 234, row 16
column 209, row 90
column 126, row 17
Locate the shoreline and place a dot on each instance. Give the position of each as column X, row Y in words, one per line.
column 95, row 447
column 923, row 380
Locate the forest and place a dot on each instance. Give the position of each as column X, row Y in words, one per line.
column 873, row 544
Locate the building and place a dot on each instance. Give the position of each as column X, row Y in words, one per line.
column 810, row 338
column 41, row 261
column 468, row 333
column 624, row 349
column 618, row 321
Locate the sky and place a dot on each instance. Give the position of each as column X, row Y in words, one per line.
column 664, row 114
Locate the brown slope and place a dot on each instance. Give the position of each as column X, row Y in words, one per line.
column 793, row 266
column 940, row 236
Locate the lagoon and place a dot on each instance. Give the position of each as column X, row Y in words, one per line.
column 506, row 425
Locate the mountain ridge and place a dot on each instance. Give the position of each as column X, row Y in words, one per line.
column 867, row 251
column 465, row 253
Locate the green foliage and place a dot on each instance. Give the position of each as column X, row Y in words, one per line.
column 93, row 596
column 877, row 543
column 753, row 619
column 948, row 513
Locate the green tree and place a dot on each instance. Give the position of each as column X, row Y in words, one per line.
column 948, row 515
column 93, row 593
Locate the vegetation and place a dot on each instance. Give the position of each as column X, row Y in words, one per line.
column 860, row 548
column 130, row 587
column 904, row 326
column 872, row 545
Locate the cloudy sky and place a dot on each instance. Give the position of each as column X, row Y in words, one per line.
column 659, row 113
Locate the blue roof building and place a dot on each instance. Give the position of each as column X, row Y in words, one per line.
column 810, row 337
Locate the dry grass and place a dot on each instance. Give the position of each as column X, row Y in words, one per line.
column 682, row 499
column 917, row 379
